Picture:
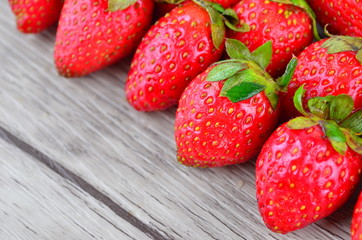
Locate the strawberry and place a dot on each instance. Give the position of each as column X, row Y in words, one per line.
column 328, row 67
column 343, row 17
column 289, row 25
column 310, row 165
column 356, row 227
column 176, row 49
column 33, row 16
column 221, row 122
column 94, row 34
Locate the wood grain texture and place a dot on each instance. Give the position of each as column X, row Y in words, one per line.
column 36, row 203
column 87, row 126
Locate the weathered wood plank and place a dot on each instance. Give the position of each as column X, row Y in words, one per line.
column 78, row 181
column 36, row 203
column 87, row 126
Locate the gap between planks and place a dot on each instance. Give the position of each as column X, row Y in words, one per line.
column 80, row 182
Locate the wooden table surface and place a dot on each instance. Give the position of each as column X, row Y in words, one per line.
column 77, row 162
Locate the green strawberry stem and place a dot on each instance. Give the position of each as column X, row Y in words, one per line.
column 115, row 5
column 304, row 5
column 333, row 114
column 336, row 44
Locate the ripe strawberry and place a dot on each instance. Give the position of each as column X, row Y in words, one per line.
column 179, row 46
column 356, row 228
column 343, row 17
column 309, row 166
column 33, row 16
column 222, row 122
column 95, row 34
column 327, row 67
column 289, row 26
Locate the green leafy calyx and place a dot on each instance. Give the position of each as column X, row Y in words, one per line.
column 115, row 5
column 224, row 71
column 298, row 100
column 336, row 108
column 169, row 1
column 237, row 50
column 337, row 44
column 334, row 115
column 220, row 18
column 261, row 56
column 304, row 5
column 245, row 74
column 301, row 123
column 353, row 122
column 285, row 79
column 242, row 91
column 335, row 136
column 353, row 141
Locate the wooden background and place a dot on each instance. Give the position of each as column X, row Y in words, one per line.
column 77, row 162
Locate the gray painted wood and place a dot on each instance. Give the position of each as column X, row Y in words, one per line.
column 36, row 203
column 86, row 126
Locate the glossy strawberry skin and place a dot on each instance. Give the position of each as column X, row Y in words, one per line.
column 34, row 16
column 356, row 227
column 211, row 131
column 343, row 17
column 89, row 37
column 300, row 178
column 289, row 28
column 324, row 74
column 173, row 52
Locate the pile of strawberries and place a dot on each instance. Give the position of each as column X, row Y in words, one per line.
column 251, row 78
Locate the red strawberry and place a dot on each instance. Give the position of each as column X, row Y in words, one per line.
column 288, row 26
column 95, row 34
column 33, row 16
column 220, row 123
column 356, row 228
column 308, row 167
column 327, row 67
column 343, row 17
column 174, row 51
